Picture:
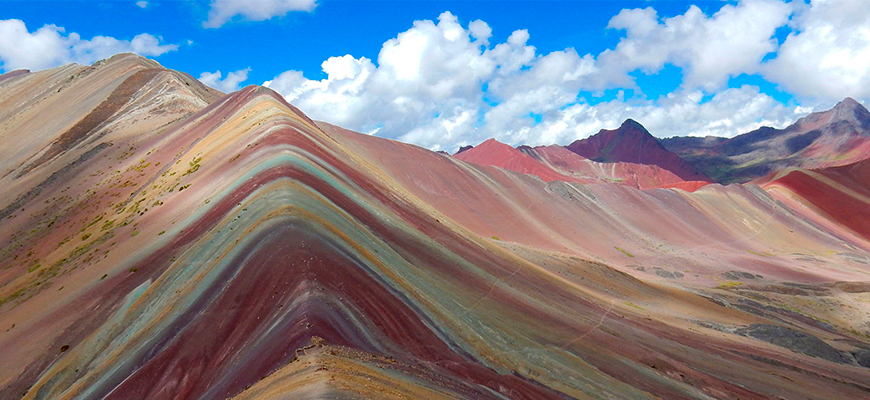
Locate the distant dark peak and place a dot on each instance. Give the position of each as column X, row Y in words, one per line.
column 464, row 148
column 443, row 152
column 528, row 150
column 631, row 142
column 748, row 142
column 762, row 133
column 633, row 130
column 633, row 125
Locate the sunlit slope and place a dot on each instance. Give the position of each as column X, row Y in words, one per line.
column 838, row 197
column 715, row 229
column 243, row 251
column 641, row 176
column 497, row 154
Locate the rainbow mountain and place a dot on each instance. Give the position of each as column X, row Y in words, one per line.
column 163, row 240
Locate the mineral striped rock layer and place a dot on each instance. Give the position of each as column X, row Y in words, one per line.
column 163, row 240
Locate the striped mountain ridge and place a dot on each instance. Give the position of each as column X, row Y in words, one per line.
column 197, row 245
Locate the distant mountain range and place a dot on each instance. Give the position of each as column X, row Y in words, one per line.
column 631, row 142
column 838, row 136
column 835, row 137
column 557, row 163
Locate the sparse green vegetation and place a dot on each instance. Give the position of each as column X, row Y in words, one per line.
column 35, row 266
column 127, row 154
column 94, row 222
column 63, row 242
column 142, row 165
column 194, row 166
column 623, row 251
column 15, row 295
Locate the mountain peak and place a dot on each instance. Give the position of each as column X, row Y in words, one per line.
column 631, row 142
column 848, row 102
column 633, row 125
column 498, row 154
column 851, row 110
column 128, row 59
column 847, row 110
column 492, row 144
column 463, row 148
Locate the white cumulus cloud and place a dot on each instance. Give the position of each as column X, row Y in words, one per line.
column 50, row 46
column 142, row 4
column 428, row 79
column 222, row 11
column 228, row 84
column 681, row 113
column 827, row 55
column 441, row 84
column 711, row 49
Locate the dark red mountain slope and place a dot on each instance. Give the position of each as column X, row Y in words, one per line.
column 842, row 193
column 633, row 143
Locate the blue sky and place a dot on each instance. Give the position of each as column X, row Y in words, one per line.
column 563, row 69
column 335, row 27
